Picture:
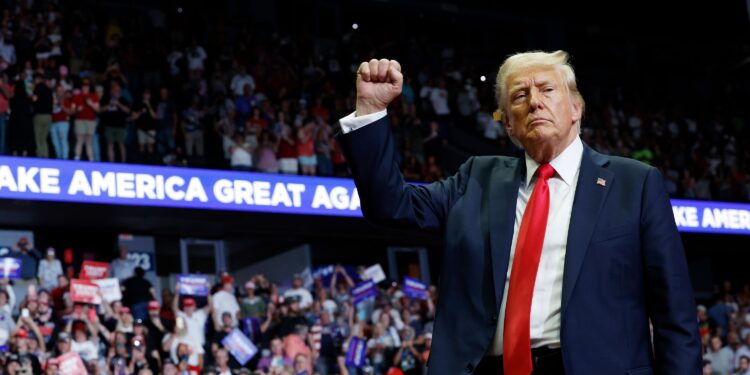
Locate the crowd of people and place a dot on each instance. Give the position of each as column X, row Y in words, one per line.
column 296, row 330
column 725, row 330
column 75, row 87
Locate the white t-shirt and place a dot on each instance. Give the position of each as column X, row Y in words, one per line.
column 305, row 297
column 439, row 99
column 195, row 325
column 86, row 349
column 239, row 81
column 224, row 301
column 195, row 58
column 240, row 157
column 7, row 52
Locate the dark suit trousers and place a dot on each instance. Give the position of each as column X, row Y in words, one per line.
column 546, row 362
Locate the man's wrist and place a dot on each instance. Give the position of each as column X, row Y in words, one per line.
column 363, row 109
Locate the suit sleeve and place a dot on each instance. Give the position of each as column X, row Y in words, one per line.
column 669, row 293
column 384, row 196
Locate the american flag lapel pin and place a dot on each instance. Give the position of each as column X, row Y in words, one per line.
column 601, row 182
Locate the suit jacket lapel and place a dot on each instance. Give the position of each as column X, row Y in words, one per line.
column 594, row 182
column 501, row 216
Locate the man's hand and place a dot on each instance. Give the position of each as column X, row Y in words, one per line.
column 378, row 83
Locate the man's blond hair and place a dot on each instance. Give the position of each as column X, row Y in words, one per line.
column 558, row 60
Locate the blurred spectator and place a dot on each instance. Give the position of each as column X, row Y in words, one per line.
column 114, row 112
column 43, row 103
column 137, row 293
column 224, row 301
column 61, row 111
column 50, row 269
column 85, row 105
column 297, row 290
column 122, row 267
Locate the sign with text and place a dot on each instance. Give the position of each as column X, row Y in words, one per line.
column 84, row 291
column 193, row 285
column 94, row 270
column 240, row 346
column 10, row 268
column 375, row 273
column 70, row 364
column 363, row 291
column 414, row 288
column 141, row 185
column 711, row 217
column 357, row 352
column 110, row 289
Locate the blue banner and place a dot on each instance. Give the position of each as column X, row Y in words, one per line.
column 240, row 346
column 711, row 217
column 129, row 184
column 141, row 185
column 10, row 268
column 356, row 353
column 364, row 290
column 414, row 288
column 193, row 285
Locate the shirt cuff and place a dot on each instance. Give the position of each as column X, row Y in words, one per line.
column 353, row 122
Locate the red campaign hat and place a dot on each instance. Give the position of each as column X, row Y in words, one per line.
column 153, row 305
column 226, row 279
column 189, row 302
column 22, row 333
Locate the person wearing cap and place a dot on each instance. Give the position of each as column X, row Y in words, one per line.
column 23, row 347
column 156, row 328
column 252, row 306
column 137, row 292
column 62, row 344
column 85, row 338
column 225, row 301
column 51, row 367
column 194, row 318
column 299, row 290
column 49, row 269
column 86, row 106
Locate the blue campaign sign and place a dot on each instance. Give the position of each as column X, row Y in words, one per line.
column 240, row 346
column 363, row 291
column 415, row 288
column 711, row 217
column 356, row 353
column 10, row 268
column 109, row 183
column 194, row 285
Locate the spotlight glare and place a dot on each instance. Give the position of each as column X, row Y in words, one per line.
column 482, row 78
column 355, row 26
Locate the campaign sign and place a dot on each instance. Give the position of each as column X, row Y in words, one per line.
column 356, row 354
column 70, row 364
column 84, row 291
column 363, row 291
column 10, row 268
column 415, row 288
column 375, row 273
column 110, row 289
column 193, row 285
column 94, row 270
column 240, row 346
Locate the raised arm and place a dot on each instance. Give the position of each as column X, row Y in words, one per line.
column 370, row 149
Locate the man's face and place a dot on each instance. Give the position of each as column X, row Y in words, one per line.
column 716, row 343
column 123, row 252
column 744, row 364
column 221, row 358
column 297, row 283
column 540, row 111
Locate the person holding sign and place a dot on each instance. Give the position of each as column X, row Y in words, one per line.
column 542, row 251
column 194, row 317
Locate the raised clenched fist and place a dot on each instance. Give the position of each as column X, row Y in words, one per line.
column 378, row 83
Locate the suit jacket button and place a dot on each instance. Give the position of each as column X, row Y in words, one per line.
column 469, row 368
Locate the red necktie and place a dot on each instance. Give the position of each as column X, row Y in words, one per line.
column 517, row 325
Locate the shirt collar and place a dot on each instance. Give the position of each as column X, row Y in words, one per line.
column 566, row 164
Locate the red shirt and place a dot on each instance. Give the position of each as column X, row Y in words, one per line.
column 86, row 112
column 287, row 149
column 58, row 112
column 306, row 148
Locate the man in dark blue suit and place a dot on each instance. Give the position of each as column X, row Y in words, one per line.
column 556, row 263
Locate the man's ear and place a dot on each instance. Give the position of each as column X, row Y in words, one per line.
column 576, row 110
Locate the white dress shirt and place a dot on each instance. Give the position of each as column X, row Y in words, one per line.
column 547, row 299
